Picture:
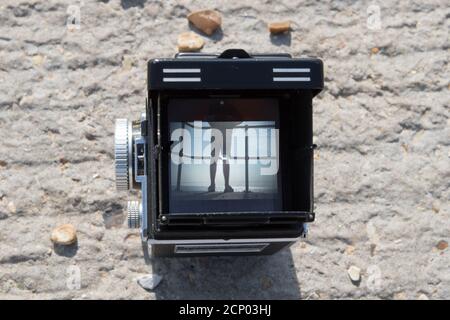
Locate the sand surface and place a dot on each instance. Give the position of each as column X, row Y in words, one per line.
column 382, row 172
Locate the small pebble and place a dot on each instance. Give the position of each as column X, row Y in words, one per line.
column 189, row 42
column 127, row 63
column 354, row 273
column 208, row 21
column 349, row 250
column 442, row 245
column 435, row 207
column 375, row 50
column 37, row 60
column 422, row 297
column 279, row 27
column 12, row 207
column 64, row 234
column 400, row 296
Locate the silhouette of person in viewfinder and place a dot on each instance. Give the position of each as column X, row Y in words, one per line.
column 225, row 129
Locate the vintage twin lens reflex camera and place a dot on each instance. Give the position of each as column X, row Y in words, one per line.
column 223, row 155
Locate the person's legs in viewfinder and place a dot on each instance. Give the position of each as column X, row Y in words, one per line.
column 225, row 151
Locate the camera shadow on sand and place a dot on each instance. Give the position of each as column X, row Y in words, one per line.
column 230, row 277
column 127, row 4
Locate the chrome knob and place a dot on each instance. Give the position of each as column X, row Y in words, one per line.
column 122, row 154
column 134, row 211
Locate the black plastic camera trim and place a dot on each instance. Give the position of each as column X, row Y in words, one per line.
column 234, row 70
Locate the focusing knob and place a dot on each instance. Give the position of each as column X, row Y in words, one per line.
column 122, row 154
column 134, row 214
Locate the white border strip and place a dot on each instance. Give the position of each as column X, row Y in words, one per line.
column 304, row 79
column 220, row 248
column 216, row 241
column 182, row 79
column 166, row 70
column 291, row 70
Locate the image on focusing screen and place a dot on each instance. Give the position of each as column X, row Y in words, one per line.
column 224, row 166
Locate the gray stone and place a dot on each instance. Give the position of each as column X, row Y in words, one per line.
column 150, row 281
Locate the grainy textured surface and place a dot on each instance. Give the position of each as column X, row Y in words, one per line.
column 382, row 168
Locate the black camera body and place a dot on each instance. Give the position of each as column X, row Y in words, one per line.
column 223, row 154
